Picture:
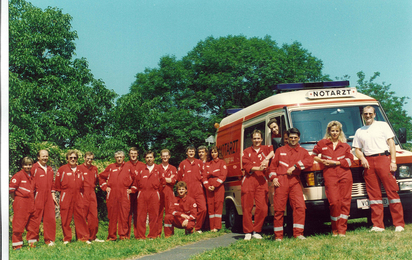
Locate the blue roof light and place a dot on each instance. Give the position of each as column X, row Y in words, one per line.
column 231, row 111
column 311, row 85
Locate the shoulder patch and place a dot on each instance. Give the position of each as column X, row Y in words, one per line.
column 194, row 205
column 13, row 180
column 224, row 166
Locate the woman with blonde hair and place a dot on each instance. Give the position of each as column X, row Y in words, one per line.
column 334, row 154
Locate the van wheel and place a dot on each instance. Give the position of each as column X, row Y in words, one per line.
column 288, row 222
column 233, row 220
column 407, row 216
column 387, row 218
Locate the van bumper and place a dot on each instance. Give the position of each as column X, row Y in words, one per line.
column 320, row 208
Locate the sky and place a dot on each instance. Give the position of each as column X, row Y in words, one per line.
column 122, row 38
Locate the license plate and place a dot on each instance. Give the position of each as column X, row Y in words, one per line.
column 364, row 203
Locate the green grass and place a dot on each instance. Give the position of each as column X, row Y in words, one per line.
column 107, row 250
column 359, row 243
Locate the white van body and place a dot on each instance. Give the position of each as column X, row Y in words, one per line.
column 309, row 110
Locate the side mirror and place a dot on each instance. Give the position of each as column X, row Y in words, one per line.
column 402, row 135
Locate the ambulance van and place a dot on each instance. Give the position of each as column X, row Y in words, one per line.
column 308, row 107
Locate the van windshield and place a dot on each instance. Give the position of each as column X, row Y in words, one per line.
column 312, row 123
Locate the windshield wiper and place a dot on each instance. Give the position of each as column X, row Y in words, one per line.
column 309, row 142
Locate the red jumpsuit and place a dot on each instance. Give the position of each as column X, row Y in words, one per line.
column 214, row 174
column 90, row 201
column 134, row 169
column 71, row 185
column 147, row 183
column 166, row 192
column 338, row 181
column 191, row 173
column 173, row 218
column 119, row 179
column 254, row 189
column 373, row 140
column 22, row 185
column 43, row 202
column 290, row 186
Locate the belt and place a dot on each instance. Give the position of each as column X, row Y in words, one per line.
column 379, row 154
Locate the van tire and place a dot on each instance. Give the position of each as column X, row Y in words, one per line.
column 233, row 221
column 288, row 221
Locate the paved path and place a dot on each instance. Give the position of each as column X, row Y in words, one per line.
column 185, row 252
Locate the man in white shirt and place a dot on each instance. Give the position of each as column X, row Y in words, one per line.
column 379, row 160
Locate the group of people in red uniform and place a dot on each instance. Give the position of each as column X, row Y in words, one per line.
column 33, row 189
column 374, row 146
column 134, row 190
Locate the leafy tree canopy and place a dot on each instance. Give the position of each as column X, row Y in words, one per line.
column 177, row 103
column 393, row 105
column 53, row 97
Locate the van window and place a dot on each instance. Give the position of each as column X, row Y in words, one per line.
column 282, row 130
column 312, row 123
column 247, row 139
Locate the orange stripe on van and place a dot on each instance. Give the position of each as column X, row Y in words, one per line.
column 270, row 108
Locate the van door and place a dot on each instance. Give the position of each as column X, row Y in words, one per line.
column 280, row 140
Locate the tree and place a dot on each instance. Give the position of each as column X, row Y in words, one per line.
column 392, row 104
column 159, row 112
column 53, row 97
column 177, row 103
column 235, row 71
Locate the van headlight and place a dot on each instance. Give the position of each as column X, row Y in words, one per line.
column 407, row 185
column 404, row 171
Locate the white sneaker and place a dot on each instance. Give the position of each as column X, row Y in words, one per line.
column 342, row 235
column 301, row 237
column 257, row 236
column 199, row 231
column 377, row 229
column 278, row 240
column 98, row 240
column 399, row 229
column 248, row 236
column 51, row 243
column 65, row 242
column 88, row 242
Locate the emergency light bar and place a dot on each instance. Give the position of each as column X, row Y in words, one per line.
column 231, row 111
column 310, row 85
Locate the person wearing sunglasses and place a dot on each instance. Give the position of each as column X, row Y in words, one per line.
column 70, row 183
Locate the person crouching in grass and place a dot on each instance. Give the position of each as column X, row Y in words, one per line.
column 182, row 212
